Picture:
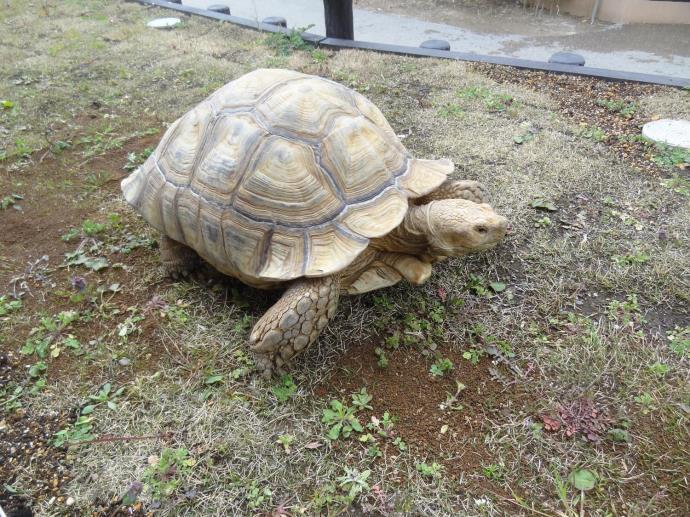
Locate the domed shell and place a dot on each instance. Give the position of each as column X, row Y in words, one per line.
column 279, row 175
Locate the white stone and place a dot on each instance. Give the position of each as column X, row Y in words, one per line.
column 164, row 23
column 668, row 131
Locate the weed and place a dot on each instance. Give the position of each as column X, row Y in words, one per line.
column 257, row 496
column 50, row 336
column 285, row 43
column 9, row 201
column 382, row 426
column 319, row 56
column 341, row 420
column 285, row 440
column 494, row 102
column 481, row 287
column 441, row 366
column 626, row 312
column 354, row 482
column 677, row 184
column 622, row 108
column 361, row 400
column 668, row 157
column 592, row 132
column 679, row 341
column 630, row 259
column 7, row 305
column 382, row 361
column 430, row 471
column 78, row 432
column 285, row 389
column 659, row 369
column 544, row 222
column 451, row 401
column 523, row 138
column 164, row 476
column 543, row 204
column 10, row 397
column 449, row 110
column 493, row 472
column 473, row 355
column 646, row 401
column 134, row 159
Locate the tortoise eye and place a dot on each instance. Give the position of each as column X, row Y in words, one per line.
column 481, row 229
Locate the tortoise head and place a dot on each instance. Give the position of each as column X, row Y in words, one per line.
column 456, row 227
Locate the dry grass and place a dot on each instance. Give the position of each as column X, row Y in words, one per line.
column 555, row 315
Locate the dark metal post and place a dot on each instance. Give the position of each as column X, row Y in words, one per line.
column 338, row 14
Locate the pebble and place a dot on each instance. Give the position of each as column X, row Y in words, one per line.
column 124, row 362
column 70, row 501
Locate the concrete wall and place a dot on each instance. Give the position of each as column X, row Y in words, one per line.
column 627, row 11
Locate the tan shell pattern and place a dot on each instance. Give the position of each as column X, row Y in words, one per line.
column 279, row 175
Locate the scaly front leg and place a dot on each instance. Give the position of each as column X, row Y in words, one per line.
column 294, row 322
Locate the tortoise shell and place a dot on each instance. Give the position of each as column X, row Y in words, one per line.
column 279, row 175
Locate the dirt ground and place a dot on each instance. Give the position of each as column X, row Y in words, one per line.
column 548, row 376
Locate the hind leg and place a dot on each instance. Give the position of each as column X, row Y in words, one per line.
column 178, row 260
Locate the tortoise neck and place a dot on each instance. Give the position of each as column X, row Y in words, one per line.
column 410, row 236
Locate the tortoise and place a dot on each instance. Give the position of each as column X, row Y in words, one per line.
column 282, row 179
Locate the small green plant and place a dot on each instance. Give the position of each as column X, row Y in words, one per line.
column 473, row 355
column 592, row 133
column 9, row 201
column 257, row 496
column 441, row 366
column 78, row 432
column 429, row 471
column 319, row 56
column 541, row 203
column 285, row 43
column 583, row 479
column 382, row 426
column 677, row 184
column 646, row 401
column 498, row 102
column 451, row 401
column 544, row 222
column 659, row 369
column 354, row 482
column 626, row 312
column 164, row 476
column 134, row 159
column 523, row 138
column 285, row 389
column 669, row 157
column 474, row 92
column 105, row 395
column 630, row 259
column 91, row 228
column 286, row 440
column 361, row 400
column 679, row 341
column 10, row 397
column 341, row 420
column 622, row 108
column 449, row 110
column 482, row 287
column 7, row 305
column 494, row 472
column 50, row 337
column 382, row 359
